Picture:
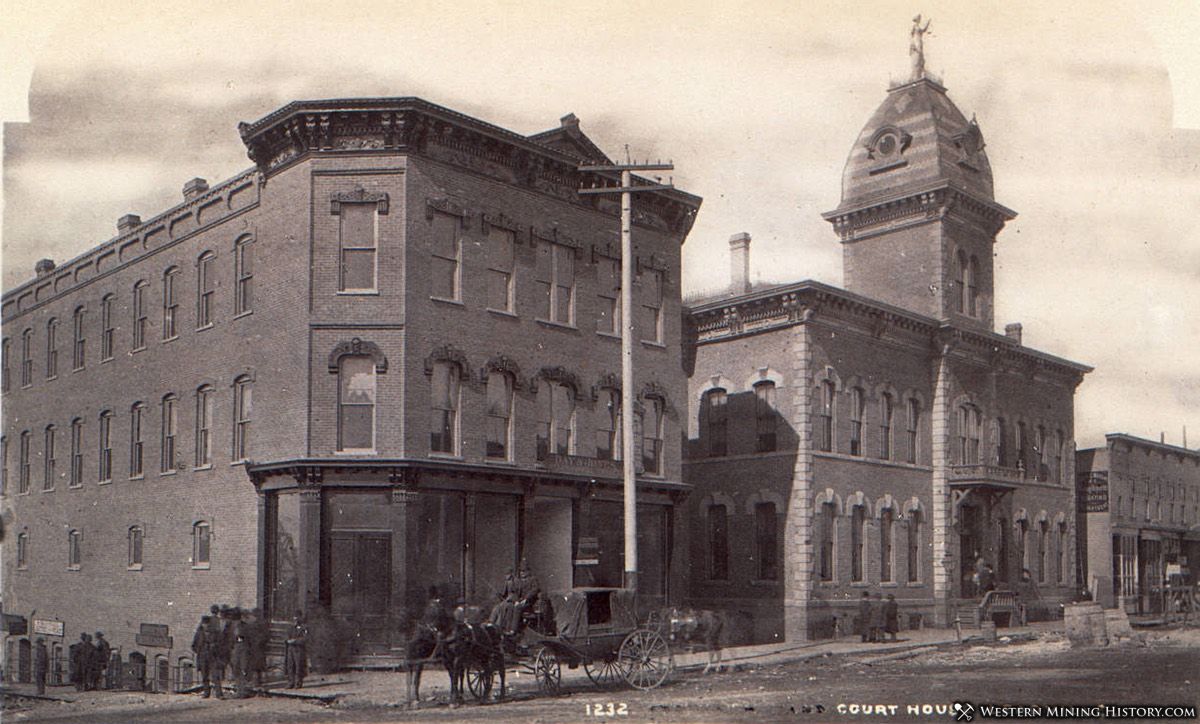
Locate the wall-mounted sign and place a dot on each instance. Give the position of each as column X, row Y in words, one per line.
column 154, row 634
column 47, row 627
column 588, row 552
column 1093, row 492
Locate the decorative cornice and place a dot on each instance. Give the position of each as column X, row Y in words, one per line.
column 561, row 375
column 505, row 364
column 449, row 353
column 358, row 196
column 356, row 347
column 916, row 206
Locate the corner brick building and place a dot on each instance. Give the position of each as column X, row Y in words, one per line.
column 384, row 358
column 881, row 437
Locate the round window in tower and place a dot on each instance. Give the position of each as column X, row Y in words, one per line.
column 887, row 144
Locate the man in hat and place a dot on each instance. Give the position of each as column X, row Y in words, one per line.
column 103, row 653
column 41, row 665
column 864, row 616
column 83, row 658
column 891, row 616
column 296, row 652
column 205, row 645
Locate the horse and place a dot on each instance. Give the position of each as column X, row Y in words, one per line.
column 425, row 642
column 475, row 644
column 693, row 626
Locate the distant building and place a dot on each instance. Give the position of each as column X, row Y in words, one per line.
column 384, row 358
column 1140, row 503
column 883, row 437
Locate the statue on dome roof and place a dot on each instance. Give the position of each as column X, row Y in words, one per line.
column 916, row 48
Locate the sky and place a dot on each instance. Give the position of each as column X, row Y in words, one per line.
column 1090, row 112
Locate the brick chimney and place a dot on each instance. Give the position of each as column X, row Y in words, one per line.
column 128, row 223
column 739, row 263
column 194, row 188
column 1013, row 331
column 43, row 267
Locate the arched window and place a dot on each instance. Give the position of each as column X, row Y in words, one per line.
column 206, row 285
column 443, row 431
column 973, row 287
column 244, row 274
column 170, row 327
column 201, row 544
column 887, row 518
column 23, row 550
column 499, row 415
column 79, row 357
column 766, row 541
column 968, row 434
column 242, row 408
column 74, row 550
column 27, row 358
column 886, row 411
column 1056, row 458
column 5, row 353
column 858, row 543
column 134, row 539
column 1023, row 543
column 765, row 416
column 204, row 417
column 139, row 314
column 715, row 405
column 1043, row 551
column 963, row 274
column 652, row 435
column 1022, row 447
column 1063, row 551
column 106, row 327
column 1001, row 443
column 136, row 440
column 718, row 542
column 49, row 458
column 608, row 432
column 914, row 546
column 76, row 452
column 104, row 466
column 826, row 522
column 857, row 410
column 913, row 425
column 1039, row 451
column 23, row 464
column 170, row 423
column 52, row 348
column 356, row 402
column 825, row 417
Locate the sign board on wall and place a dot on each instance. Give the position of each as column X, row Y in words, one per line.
column 1093, row 492
column 47, row 627
column 154, row 634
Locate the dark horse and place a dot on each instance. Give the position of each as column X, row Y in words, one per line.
column 474, row 645
column 427, row 641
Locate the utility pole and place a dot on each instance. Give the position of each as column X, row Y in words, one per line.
column 628, row 463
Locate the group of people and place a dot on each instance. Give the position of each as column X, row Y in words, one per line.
column 89, row 659
column 521, row 599
column 877, row 617
column 235, row 638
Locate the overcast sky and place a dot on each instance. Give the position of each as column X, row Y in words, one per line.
column 1089, row 111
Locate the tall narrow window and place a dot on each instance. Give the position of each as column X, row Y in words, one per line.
column 201, row 545
column 715, row 403
column 968, row 435
column 914, row 546
column 826, row 517
column 1056, row 458
column 27, row 358
column 500, row 270
column 52, row 348
column 1043, row 551
column 104, row 464
column 556, row 283
column 204, row 416
column 1023, row 543
column 443, row 429
column 556, row 423
column 973, row 287
column 242, row 408
column 963, row 272
column 356, row 403
column 358, row 237
column 79, row 357
column 23, row 550
column 652, row 302
column 718, row 543
column 106, row 324
column 857, row 408
column 886, row 411
column 243, row 296
column 170, row 422
column 1039, row 452
column 608, row 282
column 886, row 519
column 3, row 466
column 499, row 415
column 912, row 426
column 765, row 416
column 139, row 314
column 1063, row 560
column 447, row 256
column 766, row 542
column 23, row 464
column 74, row 550
column 170, row 327
column 206, row 287
column 608, row 429
column 1001, row 456
column 76, row 453
column 825, row 417
column 49, row 459
column 858, row 543
column 136, row 442
column 652, row 435
column 134, row 539
column 5, row 353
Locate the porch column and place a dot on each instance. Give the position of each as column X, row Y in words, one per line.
column 403, row 500
column 470, row 537
column 309, row 548
column 944, row 560
column 260, row 577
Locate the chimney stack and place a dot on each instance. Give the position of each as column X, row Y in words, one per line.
column 128, row 223
column 43, row 267
column 739, row 263
column 1013, row 331
column 194, row 188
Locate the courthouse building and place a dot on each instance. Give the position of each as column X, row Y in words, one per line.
column 881, row 437
column 384, row 358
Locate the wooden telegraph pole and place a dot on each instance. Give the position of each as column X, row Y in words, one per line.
column 628, row 463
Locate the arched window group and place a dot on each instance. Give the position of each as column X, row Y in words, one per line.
column 884, row 541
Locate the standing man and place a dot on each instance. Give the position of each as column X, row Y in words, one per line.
column 296, row 653
column 864, row 617
column 103, row 654
column 891, row 616
column 41, row 665
column 239, row 659
column 85, row 655
column 877, row 618
column 258, row 632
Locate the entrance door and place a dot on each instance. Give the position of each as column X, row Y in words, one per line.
column 969, row 539
column 24, row 662
column 360, row 587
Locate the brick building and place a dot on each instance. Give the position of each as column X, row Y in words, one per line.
column 1140, row 506
column 881, row 437
column 384, row 358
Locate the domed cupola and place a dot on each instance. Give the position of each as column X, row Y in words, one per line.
column 918, row 216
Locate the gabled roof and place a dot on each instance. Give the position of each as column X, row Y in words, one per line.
column 568, row 139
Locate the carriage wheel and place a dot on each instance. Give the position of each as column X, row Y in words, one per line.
column 479, row 681
column 604, row 673
column 645, row 659
column 547, row 671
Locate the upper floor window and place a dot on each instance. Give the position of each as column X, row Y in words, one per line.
column 718, row 542
column 134, row 538
column 170, row 423
column 1039, row 451
column 973, row 287
column 5, row 352
column 1001, row 456
column 968, row 434
column 356, row 403
column 499, row 415
column 824, row 429
column 243, row 296
column 960, row 301
column 447, row 256
column 357, row 237
column 136, row 441
column 74, row 550
column 858, row 407
column 139, row 314
column 106, row 324
column 104, row 466
column 242, row 408
column 1022, row 446
column 886, row 411
column 22, row 550
column 76, row 453
column 608, row 431
column 500, row 269
column 766, row 541
column 1056, row 460
column 170, row 320
column 206, row 286
column 444, row 399
column 201, row 544
column 652, row 302
column 715, row 403
column 556, row 283
column 49, row 459
column 608, row 282
column 79, row 357
column 52, row 348
column 652, row 435
column 204, row 416
column 23, row 464
column 765, row 417
column 556, row 419
column 27, row 358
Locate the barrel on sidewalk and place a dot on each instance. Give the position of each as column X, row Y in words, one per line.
column 1085, row 624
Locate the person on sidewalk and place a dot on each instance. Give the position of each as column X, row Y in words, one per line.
column 864, row 617
column 103, row 653
column 41, row 665
column 296, row 653
column 877, row 618
column 891, row 617
column 85, row 654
